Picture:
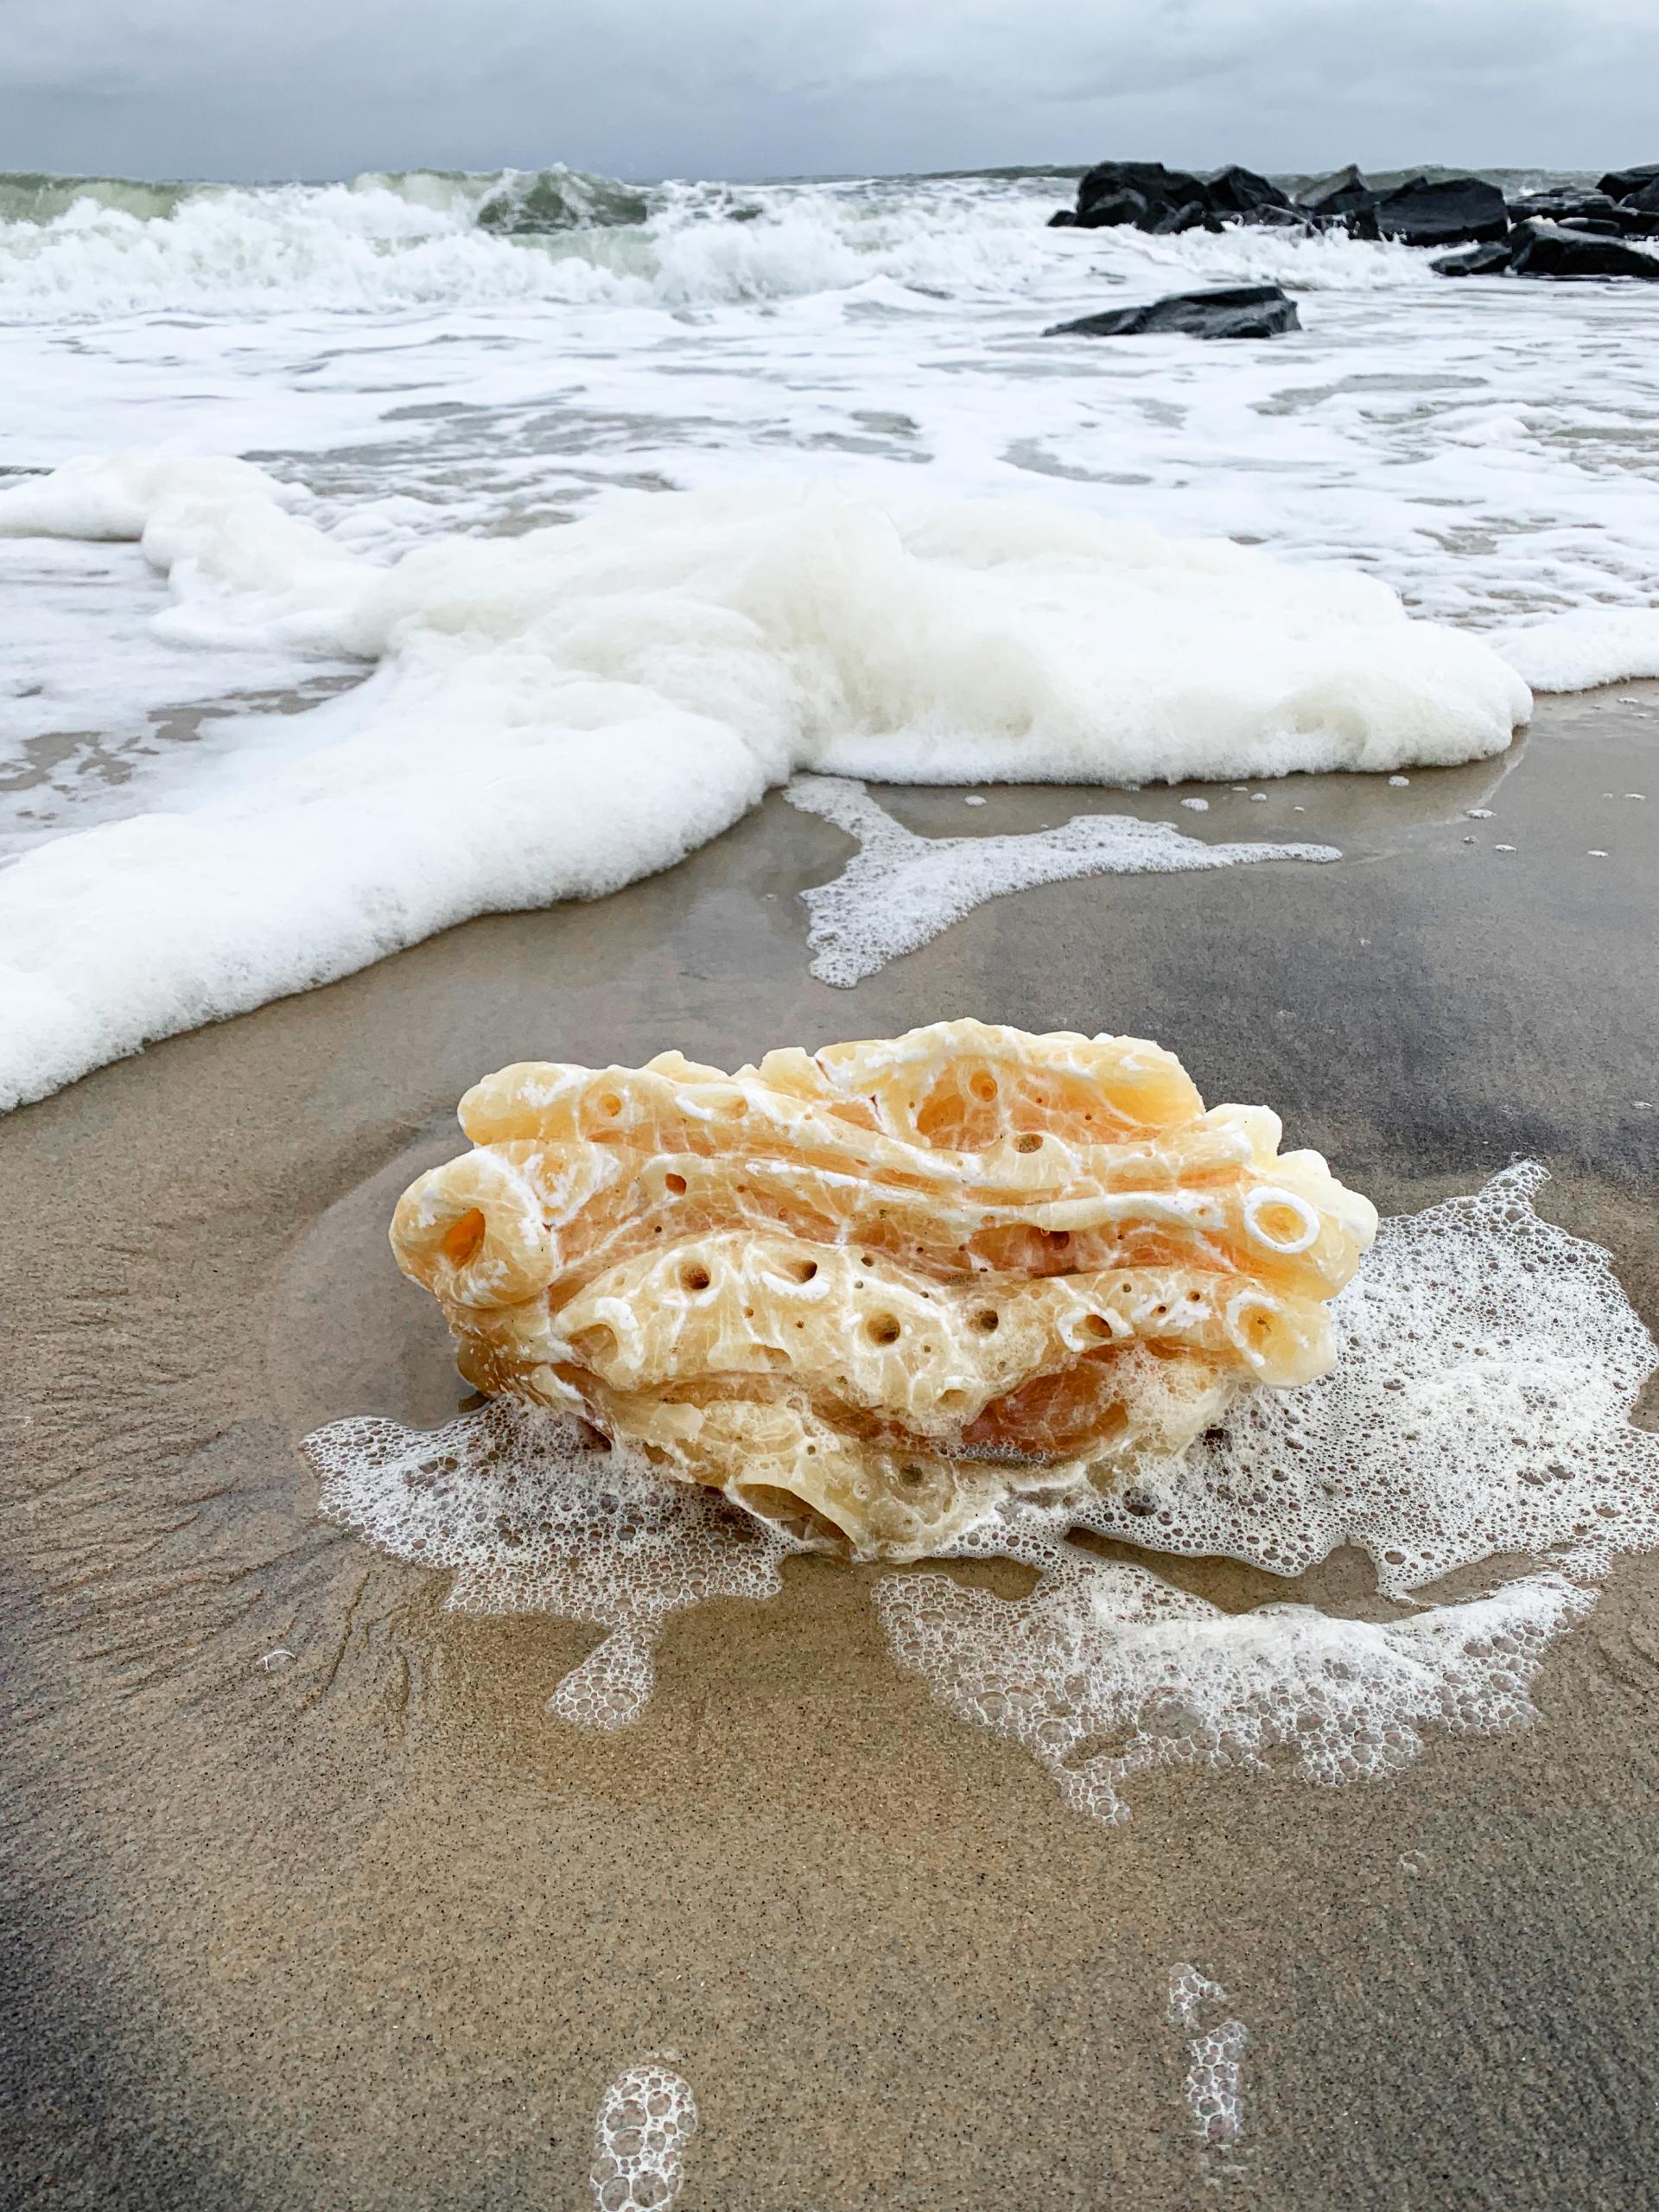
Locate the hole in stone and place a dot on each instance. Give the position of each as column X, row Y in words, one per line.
column 462, row 1240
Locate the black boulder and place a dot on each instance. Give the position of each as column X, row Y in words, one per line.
column 1543, row 250
column 1153, row 198
column 1112, row 209
column 1621, row 184
column 1489, row 260
column 1246, row 311
column 1440, row 214
column 1637, row 217
column 1342, row 195
column 1191, row 217
column 1235, row 191
column 1110, row 183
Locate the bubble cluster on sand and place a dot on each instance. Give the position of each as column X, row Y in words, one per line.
column 900, row 891
column 646, row 2120
column 1213, row 2086
column 1479, row 1406
column 535, row 1518
column 1105, row 1671
column 1479, row 1409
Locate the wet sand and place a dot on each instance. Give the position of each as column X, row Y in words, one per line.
column 366, row 1927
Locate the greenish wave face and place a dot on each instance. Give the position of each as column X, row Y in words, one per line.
column 32, row 196
column 538, row 200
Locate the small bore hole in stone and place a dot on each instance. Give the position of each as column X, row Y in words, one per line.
column 983, row 1087
column 1028, row 1143
column 611, row 1104
column 883, row 1329
column 694, row 1276
column 676, row 1184
column 805, row 1269
column 461, row 1241
column 986, row 1319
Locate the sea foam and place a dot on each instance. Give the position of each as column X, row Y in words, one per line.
column 1480, row 1409
column 558, row 714
column 899, row 891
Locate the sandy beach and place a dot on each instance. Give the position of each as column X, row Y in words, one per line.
column 364, row 1926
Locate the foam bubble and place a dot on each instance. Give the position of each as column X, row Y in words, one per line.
column 1487, row 1365
column 1213, row 2086
column 647, row 2119
column 534, row 1519
column 1106, row 1672
column 900, row 891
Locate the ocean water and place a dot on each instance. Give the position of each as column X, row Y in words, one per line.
column 434, row 373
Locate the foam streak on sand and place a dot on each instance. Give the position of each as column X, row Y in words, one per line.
column 559, row 713
column 1213, row 2086
column 899, row 891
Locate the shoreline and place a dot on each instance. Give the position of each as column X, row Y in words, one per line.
column 368, row 1927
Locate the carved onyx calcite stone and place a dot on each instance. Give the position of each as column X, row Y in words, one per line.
column 868, row 1291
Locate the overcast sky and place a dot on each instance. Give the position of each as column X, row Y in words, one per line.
column 648, row 88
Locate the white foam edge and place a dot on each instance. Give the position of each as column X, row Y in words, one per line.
column 559, row 714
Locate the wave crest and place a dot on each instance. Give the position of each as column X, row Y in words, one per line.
column 73, row 247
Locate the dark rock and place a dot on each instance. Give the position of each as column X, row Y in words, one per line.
column 1247, row 311
column 1113, row 208
column 1427, row 214
column 1619, row 184
column 1154, row 198
column 1061, row 220
column 1559, row 200
column 1595, row 227
column 1158, row 188
column 1189, row 218
column 1645, row 201
column 1235, row 191
column 1482, row 261
column 1340, row 194
column 1619, row 218
column 1545, row 250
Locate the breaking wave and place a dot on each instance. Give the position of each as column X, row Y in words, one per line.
column 94, row 247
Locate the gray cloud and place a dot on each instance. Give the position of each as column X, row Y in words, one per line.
column 747, row 87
